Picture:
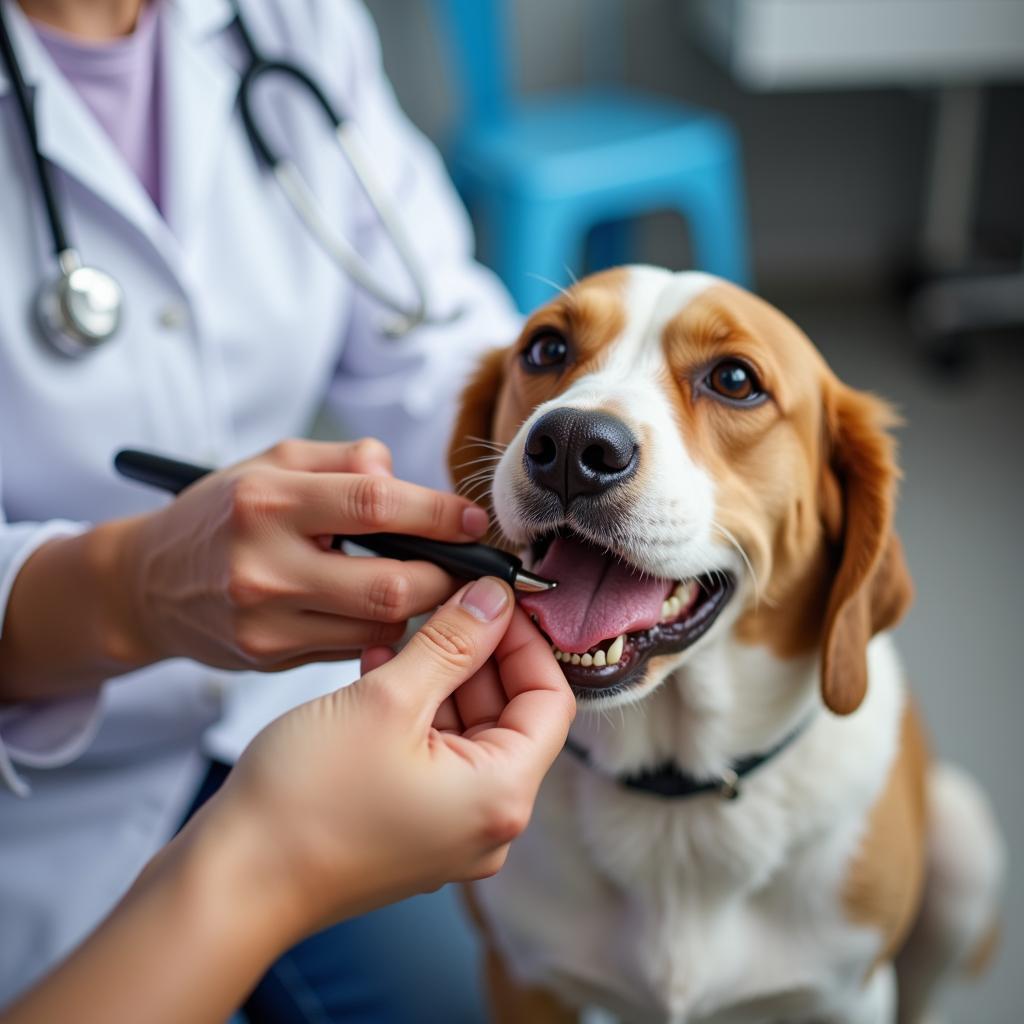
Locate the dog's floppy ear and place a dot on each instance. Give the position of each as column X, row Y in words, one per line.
column 871, row 586
column 475, row 419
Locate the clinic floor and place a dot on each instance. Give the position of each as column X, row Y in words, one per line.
column 959, row 517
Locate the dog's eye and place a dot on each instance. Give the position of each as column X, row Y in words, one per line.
column 546, row 349
column 734, row 380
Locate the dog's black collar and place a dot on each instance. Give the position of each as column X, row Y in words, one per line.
column 670, row 782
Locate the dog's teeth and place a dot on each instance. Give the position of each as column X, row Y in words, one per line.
column 686, row 592
column 587, row 660
column 557, row 653
column 615, row 651
column 600, row 660
column 576, row 659
column 666, row 610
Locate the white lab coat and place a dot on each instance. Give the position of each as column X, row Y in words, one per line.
column 236, row 330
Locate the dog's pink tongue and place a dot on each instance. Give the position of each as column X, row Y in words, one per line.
column 596, row 599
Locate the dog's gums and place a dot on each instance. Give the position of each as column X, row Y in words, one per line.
column 666, row 618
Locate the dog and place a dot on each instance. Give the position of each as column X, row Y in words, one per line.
column 746, row 824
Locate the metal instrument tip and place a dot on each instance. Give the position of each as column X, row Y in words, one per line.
column 530, row 583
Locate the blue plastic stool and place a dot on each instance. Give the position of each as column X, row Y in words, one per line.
column 540, row 173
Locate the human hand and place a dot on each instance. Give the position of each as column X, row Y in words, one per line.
column 235, row 573
column 420, row 773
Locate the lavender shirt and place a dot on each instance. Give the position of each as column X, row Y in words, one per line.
column 119, row 83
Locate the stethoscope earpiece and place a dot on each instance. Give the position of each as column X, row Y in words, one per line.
column 80, row 309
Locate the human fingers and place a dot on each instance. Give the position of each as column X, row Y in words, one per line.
column 348, row 503
column 267, row 641
column 367, row 455
column 525, row 662
column 540, row 705
column 314, row 657
column 480, row 700
column 447, row 717
column 448, row 648
column 378, row 589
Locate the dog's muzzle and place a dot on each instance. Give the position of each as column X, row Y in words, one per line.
column 577, row 454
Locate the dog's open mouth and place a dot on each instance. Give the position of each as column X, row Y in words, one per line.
column 606, row 618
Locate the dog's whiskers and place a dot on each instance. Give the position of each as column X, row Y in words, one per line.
column 560, row 289
column 490, row 457
column 476, row 491
column 481, row 474
column 483, row 442
column 731, row 538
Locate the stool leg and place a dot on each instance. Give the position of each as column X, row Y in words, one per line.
column 610, row 244
column 537, row 248
column 715, row 209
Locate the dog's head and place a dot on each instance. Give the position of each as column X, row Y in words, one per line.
column 677, row 454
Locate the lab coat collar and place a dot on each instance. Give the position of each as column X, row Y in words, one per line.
column 204, row 17
column 71, row 139
column 198, row 93
column 199, row 90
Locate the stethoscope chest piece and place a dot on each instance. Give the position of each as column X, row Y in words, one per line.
column 80, row 309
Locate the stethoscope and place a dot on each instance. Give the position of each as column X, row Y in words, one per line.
column 81, row 308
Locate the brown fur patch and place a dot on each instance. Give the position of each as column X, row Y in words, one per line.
column 886, row 877
column 805, row 482
column 510, row 1002
column 871, row 588
column 764, row 459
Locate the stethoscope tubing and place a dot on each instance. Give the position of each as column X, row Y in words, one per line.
column 28, row 115
column 304, row 202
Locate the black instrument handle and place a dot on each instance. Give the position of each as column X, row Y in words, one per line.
column 158, row 470
column 466, row 561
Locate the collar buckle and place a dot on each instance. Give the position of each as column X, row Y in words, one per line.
column 729, row 785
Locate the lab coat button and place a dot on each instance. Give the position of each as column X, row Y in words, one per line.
column 173, row 316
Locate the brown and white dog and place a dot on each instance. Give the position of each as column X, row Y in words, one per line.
column 717, row 508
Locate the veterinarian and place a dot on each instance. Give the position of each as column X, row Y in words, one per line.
column 344, row 804
column 211, row 323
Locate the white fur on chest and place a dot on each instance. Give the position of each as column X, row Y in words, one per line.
column 701, row 909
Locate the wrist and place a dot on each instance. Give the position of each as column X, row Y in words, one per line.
column 232, row 878
column 120, row 628
column 196, row 906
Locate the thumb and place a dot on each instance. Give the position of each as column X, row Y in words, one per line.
column 451, row 645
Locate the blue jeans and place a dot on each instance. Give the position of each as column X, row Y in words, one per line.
column 416, row 962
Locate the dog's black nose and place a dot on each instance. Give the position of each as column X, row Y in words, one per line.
column 576, row 451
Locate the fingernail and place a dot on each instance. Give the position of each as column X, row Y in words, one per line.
column 475, row 521
column 486, row 599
